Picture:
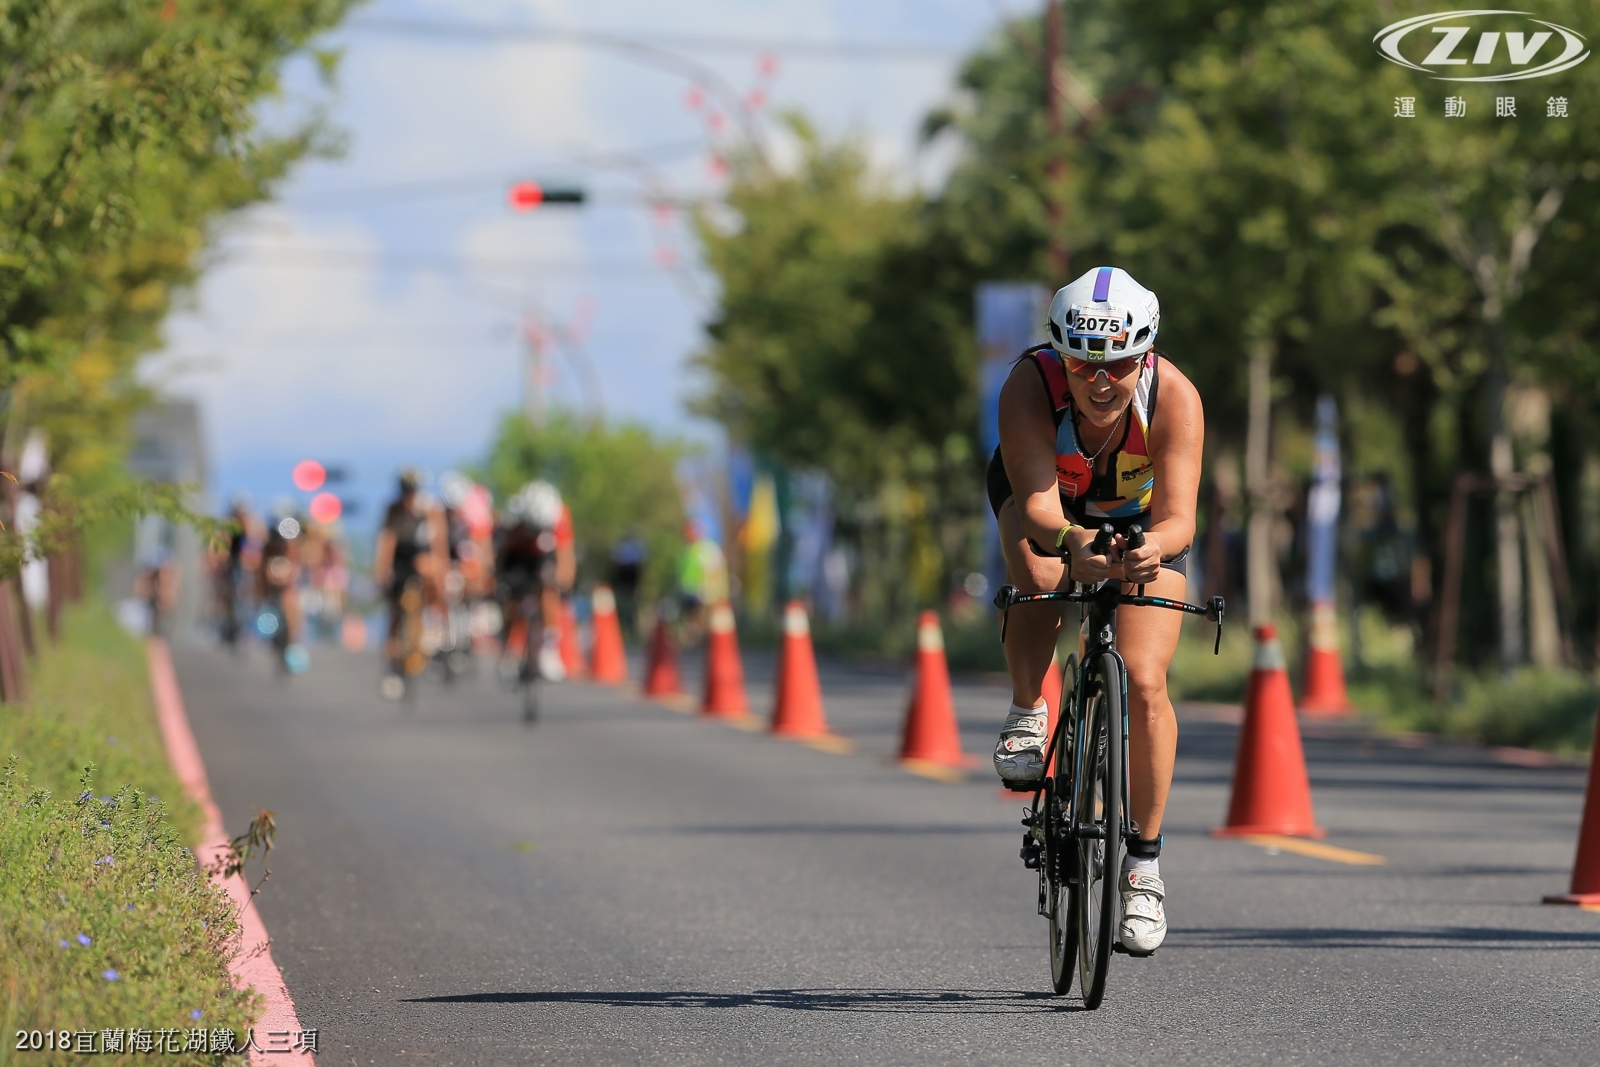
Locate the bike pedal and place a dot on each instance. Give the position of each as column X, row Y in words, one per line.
column 1021, row 787
column 1126, row 951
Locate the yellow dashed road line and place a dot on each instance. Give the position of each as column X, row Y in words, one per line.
column 1316, row 850
column 838, row 746
column 939, row 772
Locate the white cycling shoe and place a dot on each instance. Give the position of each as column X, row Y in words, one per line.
column 1144, row 919
column 1019, row 756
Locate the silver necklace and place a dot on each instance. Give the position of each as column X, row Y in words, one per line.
column 1114, row 427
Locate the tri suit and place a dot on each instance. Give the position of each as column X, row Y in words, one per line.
column 1121, row 495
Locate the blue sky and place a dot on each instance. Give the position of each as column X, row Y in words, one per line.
column 372, row 315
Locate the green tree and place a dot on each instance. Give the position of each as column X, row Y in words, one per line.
column 843, row 344
column 127, row 131
column 618, row 481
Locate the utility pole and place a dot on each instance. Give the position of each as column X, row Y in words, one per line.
column 1056, row 192
column 1260, row 559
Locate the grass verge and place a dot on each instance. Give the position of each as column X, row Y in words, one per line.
column 106, row 923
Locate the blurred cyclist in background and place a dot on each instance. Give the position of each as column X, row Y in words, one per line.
column 234, row 570
column 327, row 578
column 535, row 560
column 454, row 653
column 627, row 567
column 410, row 554
column 702, row 581
column 278, row 592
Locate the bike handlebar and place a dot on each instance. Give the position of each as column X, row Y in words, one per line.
column 1211, row 611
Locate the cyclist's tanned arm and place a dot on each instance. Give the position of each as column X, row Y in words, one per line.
column 1027, row 444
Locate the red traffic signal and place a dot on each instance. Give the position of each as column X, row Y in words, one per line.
column 309, row 475
column 527, row 195
column 326, row 508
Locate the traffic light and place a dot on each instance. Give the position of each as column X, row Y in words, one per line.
column 309, row 475
column 527, row 195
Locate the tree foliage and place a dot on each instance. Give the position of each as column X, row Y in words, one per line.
column 1246, row 162
column 128, row 131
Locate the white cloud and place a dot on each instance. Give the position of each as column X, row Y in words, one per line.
column 405, row 342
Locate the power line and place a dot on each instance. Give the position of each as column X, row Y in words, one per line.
column 886, row 51
column 464, row 183
column 349, row 259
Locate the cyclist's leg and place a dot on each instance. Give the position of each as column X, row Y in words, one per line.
column 1147, row 639
column 550, row 612
column 1030, row 642
column 1031, row 628
column 392, row 640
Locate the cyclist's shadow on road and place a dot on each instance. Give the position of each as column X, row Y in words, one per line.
column 888, row 1001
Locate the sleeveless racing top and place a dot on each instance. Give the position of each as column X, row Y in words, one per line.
column 1122, row 494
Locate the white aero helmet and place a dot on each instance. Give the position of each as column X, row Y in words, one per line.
column 537, row 504
column 1104, row 315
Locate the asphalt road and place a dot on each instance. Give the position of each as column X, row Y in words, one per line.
column 626, row 884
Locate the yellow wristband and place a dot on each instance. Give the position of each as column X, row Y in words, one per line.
column 1061, row 538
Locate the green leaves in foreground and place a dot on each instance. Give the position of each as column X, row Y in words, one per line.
column 105, row 920
column 61, row 523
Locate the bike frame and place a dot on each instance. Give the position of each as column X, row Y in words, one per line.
column 1099, row 630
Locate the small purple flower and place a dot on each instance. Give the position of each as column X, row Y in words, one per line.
column 64, row 943
column 104, row 861
column 196, row 1014
column 109, row 975
column 85, row 795
column 84, row 940
column 130, row 907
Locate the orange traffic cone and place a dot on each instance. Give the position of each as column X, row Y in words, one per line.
column 1051, row 691
column 931, row 734
column 1586, row 866
column 1324, row 697
column 1271, row 793
column 661, row 664
column 608, row 664
column 724, row 697
column 571, row 654
column 797, row 707
column 517, row 639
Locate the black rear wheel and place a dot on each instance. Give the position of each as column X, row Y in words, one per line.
column 1099, row 798
column 528, row 676
column 1060, row 863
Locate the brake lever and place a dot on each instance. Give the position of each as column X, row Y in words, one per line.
column 1214, row 612
column 1002, row 600
column 1135, row 540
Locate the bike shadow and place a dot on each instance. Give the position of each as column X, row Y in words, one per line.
column 882, row 1001
column 1482, row 938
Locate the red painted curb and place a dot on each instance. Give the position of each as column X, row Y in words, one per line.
column 252, row 965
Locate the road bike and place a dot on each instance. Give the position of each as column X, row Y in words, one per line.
column 1078, row 822
column 526, row 620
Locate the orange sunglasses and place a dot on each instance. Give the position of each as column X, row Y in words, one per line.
column 1116, row 369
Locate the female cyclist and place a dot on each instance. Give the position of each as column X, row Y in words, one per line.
column 1083, row 442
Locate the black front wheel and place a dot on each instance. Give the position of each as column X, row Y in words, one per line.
column 1099, row 800
column 1058, row 871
